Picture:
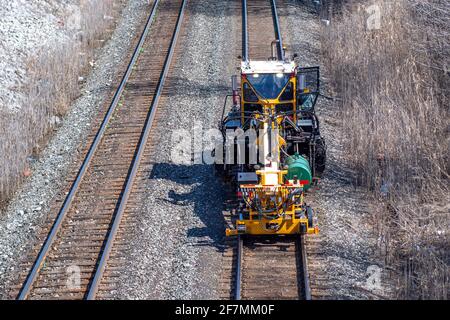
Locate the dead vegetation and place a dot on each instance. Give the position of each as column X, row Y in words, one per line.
column 55, row 75
column 388, row 62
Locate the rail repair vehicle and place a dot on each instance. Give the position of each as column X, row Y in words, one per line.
column 273, row 114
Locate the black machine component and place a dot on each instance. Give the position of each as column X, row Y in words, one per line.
column 293, row 115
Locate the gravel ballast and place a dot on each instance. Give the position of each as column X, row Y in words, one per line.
column 30, row 206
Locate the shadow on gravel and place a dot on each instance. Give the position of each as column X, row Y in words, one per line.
column 206, row 197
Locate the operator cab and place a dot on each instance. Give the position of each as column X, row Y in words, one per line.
column 280, row 87
column 284, row 95
column 267, row 86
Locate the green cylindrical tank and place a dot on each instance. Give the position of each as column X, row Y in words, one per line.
column 299, row 166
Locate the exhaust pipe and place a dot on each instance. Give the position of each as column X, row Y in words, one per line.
column 234, row 86
column 274, row 56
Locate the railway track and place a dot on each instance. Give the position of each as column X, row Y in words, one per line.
column 71, row 262
column 263, row 267
column 271, row 268
column 259, row 28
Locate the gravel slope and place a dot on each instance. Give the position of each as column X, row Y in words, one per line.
column 25, row 26
column 29, row 208
column 176, row 248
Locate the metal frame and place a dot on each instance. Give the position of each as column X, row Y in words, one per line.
column 317, row 93
column 225, row 106
column 312, row 69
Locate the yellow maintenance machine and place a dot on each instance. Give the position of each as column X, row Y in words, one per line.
column 273, row 150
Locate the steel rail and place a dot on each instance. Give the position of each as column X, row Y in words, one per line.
column 25, row 290
column 237, row 288
column 276, row 24
column 244, row 31
column 93, row 289
column 306, row 285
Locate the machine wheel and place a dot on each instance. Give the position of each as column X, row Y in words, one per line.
column 303, row 228
column 320, row 157
column 309, row 215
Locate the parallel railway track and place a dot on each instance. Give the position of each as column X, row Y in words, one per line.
column 71, row 262
column 262, row 267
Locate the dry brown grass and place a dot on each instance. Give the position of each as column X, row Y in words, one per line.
column 394, row 83
column 52, row 86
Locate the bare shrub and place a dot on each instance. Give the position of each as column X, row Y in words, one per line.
column 393, row 82
column 52, row 85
